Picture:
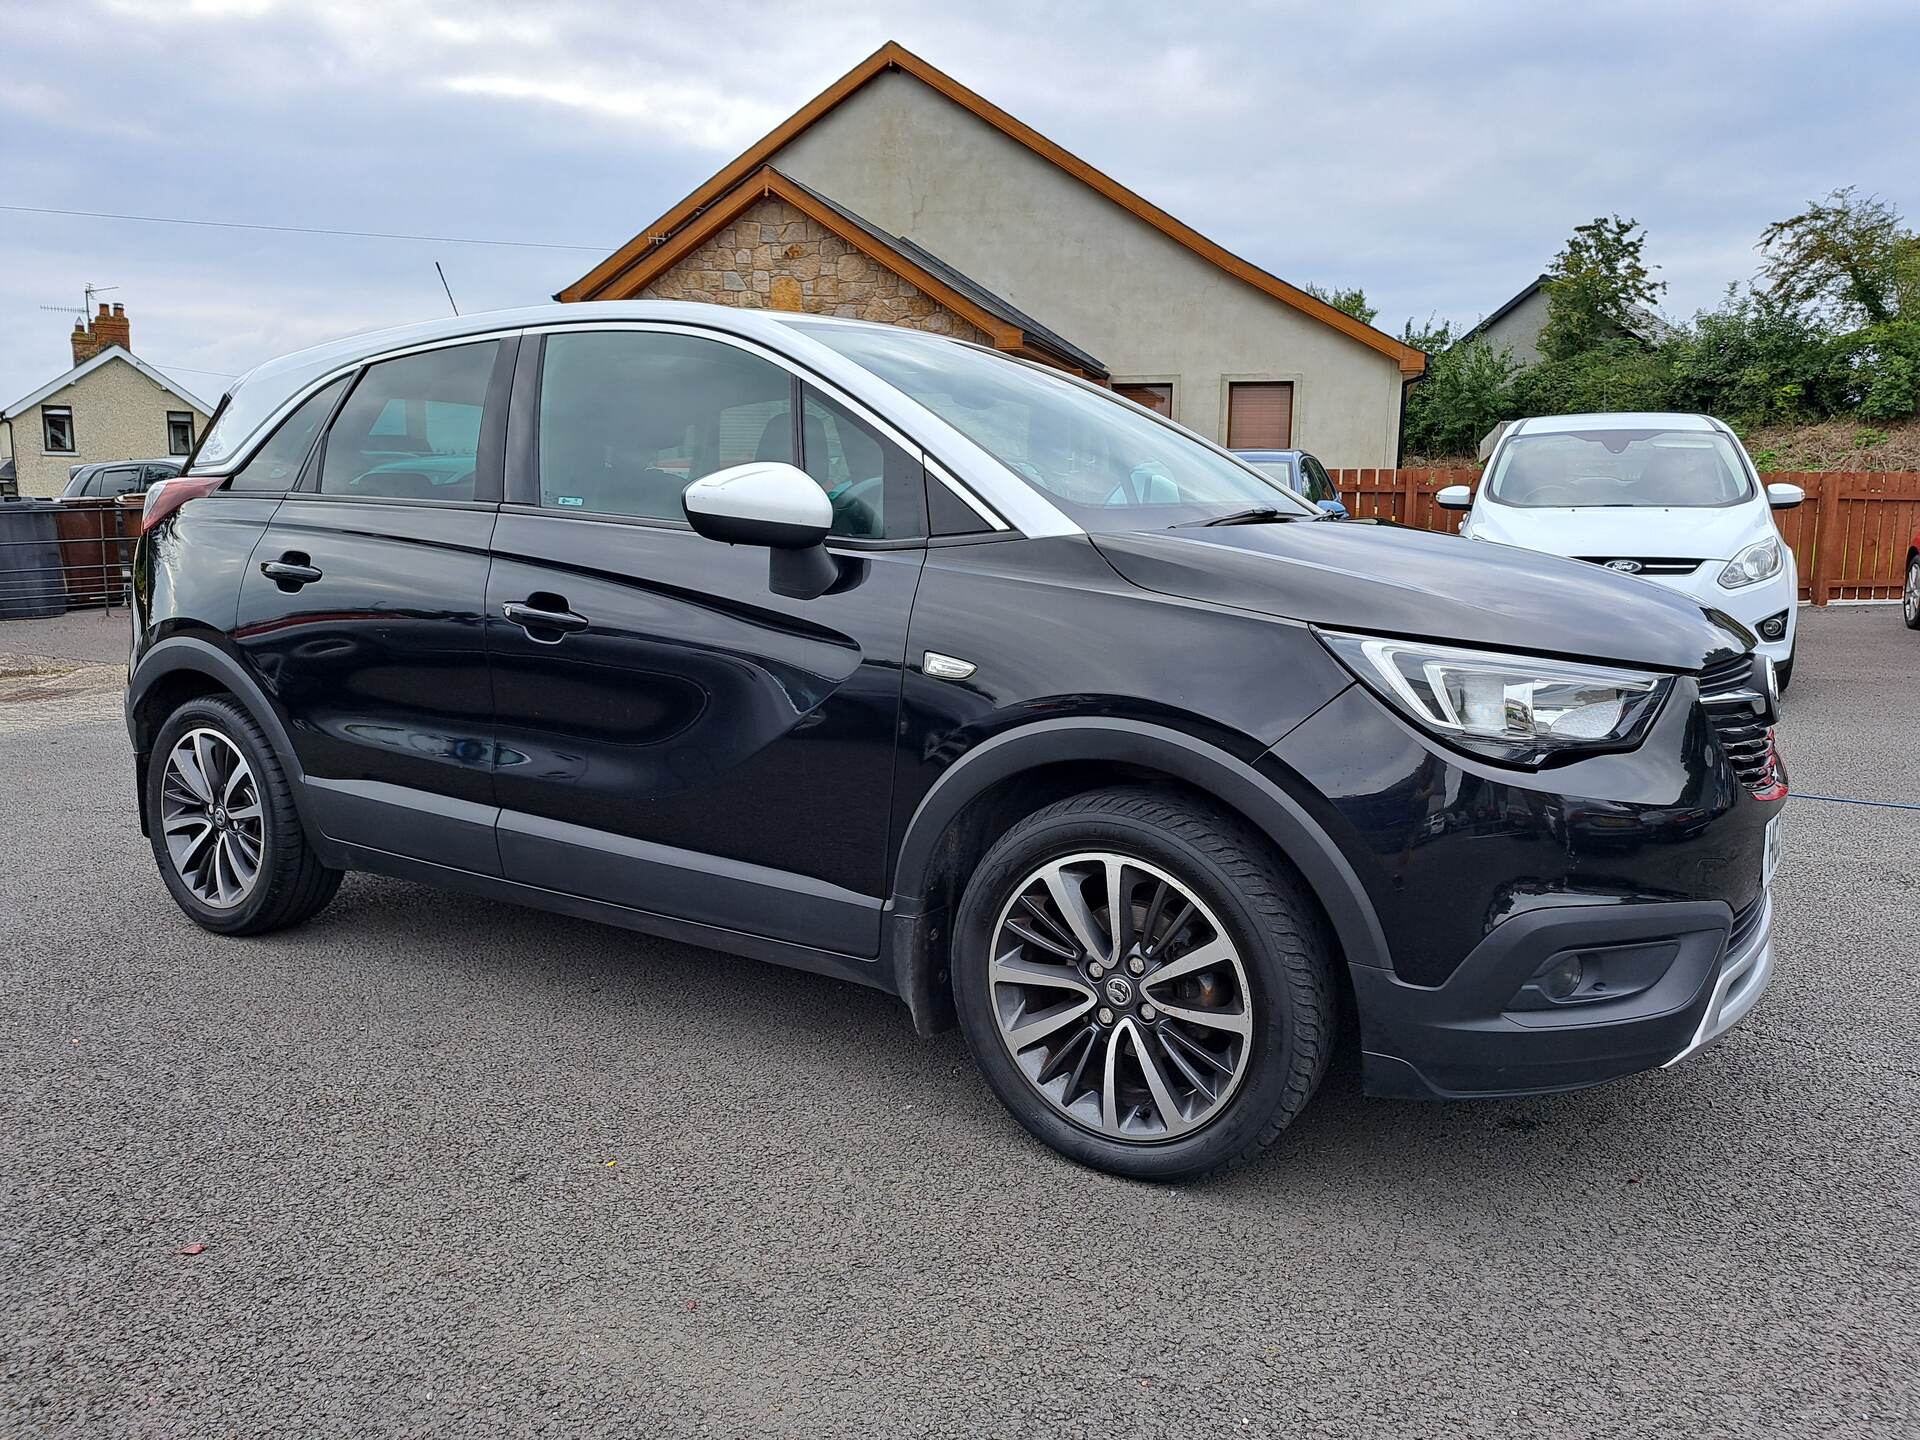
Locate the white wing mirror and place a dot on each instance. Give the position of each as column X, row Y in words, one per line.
column 1454, row 497
column 770, row 503
column 1782, row 496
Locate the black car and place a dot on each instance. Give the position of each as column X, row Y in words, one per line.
column 109, row 479
column 895, row 659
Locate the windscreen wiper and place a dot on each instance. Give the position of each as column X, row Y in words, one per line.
column 1258, row 515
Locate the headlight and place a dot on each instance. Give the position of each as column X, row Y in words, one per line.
column 1759, row 561
column 1508, row 707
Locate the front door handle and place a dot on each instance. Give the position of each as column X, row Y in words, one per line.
column 290, row 571
column 550, row 613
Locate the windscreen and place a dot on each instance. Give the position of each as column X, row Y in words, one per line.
column 1582, row 468
column 1106, row 465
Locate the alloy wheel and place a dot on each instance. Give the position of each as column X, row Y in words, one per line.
column 1120, row 997
column 211, row 818
column 1910, row 597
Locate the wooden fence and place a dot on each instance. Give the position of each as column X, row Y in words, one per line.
column 1850, row 538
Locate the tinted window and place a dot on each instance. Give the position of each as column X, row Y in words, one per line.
column 276, row 464
column 120, row 480
column 1320, row 485
column 411, row 428
column 627, row 419
column 159, row 472
column 875, row 486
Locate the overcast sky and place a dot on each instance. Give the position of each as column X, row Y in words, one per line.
column 1435, row 154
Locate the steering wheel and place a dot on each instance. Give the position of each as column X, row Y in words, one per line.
column 858, row 499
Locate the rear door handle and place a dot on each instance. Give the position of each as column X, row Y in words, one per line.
column 290, row 571
column 532, row 618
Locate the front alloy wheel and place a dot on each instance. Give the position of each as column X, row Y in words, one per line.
column 1910, row 596
column 1120, row 997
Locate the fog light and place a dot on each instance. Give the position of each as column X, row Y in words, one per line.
column 1559, row 980
column 1774, row 627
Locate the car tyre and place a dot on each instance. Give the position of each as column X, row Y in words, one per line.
column 223, row 826
column 1252, row 907
column 1910, row 594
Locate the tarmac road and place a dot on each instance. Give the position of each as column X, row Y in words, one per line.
column 461, row 1168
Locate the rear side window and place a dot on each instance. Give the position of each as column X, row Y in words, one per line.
column 628, row 418
column 411, row 428
column 275, row 466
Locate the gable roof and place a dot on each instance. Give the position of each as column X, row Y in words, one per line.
column 1009, row 327
column 87, row 367
column 1646, row 325
column 598, row 283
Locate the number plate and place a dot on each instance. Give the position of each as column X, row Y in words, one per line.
column 1773, row 849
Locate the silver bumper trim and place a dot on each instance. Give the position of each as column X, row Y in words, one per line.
column 1743, row 979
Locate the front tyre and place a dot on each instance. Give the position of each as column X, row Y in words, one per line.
column 1910, row 594
column 221, row 819
column 1144, row 985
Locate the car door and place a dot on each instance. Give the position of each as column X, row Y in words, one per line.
column 360, row 612
column 675, row 737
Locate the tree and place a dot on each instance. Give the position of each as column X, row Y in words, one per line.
column 1352, row 301
column 1467, row 390
column 1847, row 257
column 1594, row 287
column 1759, row 359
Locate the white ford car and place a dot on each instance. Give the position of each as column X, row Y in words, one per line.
column 1670, row 498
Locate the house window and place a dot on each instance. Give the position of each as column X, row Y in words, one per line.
column 1260, row 415
column 179, row 432
column 56, row 421
column 1157, row 398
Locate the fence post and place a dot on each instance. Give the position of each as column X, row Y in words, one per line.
column 1829, row 540
column 1409, row 497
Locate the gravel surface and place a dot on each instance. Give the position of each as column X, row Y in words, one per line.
column 463, row 1169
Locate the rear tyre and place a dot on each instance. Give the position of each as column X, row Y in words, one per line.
column 1910, row 594
column 221, row 819
column 1175, row 1042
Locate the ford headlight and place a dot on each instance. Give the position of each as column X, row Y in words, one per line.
column 1759, row 561
column 1515, row 708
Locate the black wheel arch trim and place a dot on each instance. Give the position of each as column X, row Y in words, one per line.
column 178, row 653
column 1232, row 782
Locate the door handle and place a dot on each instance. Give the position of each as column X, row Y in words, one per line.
column 290, row 571
column 552, row 615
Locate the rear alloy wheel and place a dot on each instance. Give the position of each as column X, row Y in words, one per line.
column 221, row 817
column 1143, row 983
column 1910, row 596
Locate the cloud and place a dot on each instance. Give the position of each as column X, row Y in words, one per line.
column 1435, row 153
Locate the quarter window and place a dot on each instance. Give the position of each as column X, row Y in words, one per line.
column 56, row 424
column 276, row 465
column 411, row 428
column 179, row 432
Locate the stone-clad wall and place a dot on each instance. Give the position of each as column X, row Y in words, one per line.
column 774, row 258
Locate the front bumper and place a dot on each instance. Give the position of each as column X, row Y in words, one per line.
column 1751, row 605
column 1467, row 1038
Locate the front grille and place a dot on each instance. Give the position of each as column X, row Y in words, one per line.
column 1649, row 564
column 1745, row 737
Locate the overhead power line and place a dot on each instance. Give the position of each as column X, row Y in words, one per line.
column 306, row 230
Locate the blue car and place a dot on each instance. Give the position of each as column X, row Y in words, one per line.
column 1301, row 473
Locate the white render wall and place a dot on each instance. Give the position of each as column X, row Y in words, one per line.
column 907, row 159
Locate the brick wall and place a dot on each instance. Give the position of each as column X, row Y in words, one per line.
column 774, row 258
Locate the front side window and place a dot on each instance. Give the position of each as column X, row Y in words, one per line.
column 276, row 465
column 120, row 480
column 56, row 423
column 1107, row 466
column 1608, row 468
column 411, row 428
column 1320, row 485
column 629, row 418
column 179, row 432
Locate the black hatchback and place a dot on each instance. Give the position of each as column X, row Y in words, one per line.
column 895, row 659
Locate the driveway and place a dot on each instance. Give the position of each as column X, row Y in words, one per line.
column 461, row 1168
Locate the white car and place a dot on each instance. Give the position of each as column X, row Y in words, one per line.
column 1670, row 498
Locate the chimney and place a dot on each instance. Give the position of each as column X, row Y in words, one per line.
column 109, row 327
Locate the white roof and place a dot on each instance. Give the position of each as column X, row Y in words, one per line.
column 1615, row 420
column 260, row 395
column 86, row 368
